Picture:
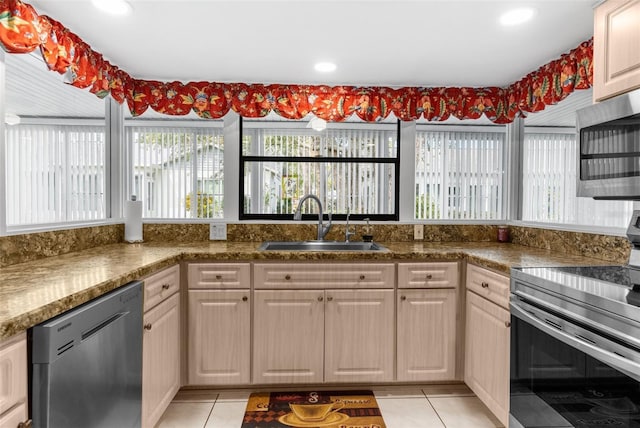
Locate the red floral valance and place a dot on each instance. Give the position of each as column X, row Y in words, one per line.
column 23, row 30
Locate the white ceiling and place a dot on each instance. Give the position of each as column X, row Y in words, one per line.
column 373, row 42
column 381, row 43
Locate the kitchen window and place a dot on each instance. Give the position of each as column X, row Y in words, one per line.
column 55, row 173
column 176, row 169
column 460, row 175
column 352, row 168
column 549, row 184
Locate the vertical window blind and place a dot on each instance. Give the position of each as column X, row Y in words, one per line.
column 54, row 173
column 176, row 172
column 549, row 186
column 460, row 175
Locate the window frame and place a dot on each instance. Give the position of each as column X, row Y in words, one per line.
column 394, row 161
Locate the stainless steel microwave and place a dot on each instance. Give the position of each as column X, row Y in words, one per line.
column 609, row 148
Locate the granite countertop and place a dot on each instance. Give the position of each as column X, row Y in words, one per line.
column 35, row 291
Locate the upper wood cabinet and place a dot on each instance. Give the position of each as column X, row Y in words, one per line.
column 616, row 48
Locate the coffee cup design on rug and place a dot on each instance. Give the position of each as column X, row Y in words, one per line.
column 314, row 412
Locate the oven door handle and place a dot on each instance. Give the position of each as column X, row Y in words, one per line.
column 618, row 362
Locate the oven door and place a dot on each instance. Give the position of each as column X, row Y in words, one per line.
column 566, row 375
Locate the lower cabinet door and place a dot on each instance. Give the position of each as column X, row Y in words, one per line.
column 359, row 336
column 14, row 417
column 288, row 336
column 219, row 337
column 160, row 359
column 486, row 369
column 426, row 335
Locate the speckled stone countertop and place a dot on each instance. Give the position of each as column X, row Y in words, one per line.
column 35, row 291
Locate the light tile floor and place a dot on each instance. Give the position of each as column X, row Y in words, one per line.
column 432, row 406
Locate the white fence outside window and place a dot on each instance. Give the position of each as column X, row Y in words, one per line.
column 54, row 173
column 549, row 186
column 460, row 175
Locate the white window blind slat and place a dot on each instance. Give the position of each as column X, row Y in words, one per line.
column 55, row 173
column 549, row 186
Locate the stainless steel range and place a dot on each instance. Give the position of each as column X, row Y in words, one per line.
column 575, row 344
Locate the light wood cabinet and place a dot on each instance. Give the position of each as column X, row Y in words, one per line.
column 359, row 336
column 487, row 348
column 288, row 332
column 219, row 350
column 160, row 345
column 427, row 334
column 13, row 381
column 616, row 48
column 219, row 337
column 319, row 322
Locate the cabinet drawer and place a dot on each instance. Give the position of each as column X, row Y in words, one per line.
column 323, row 275
column 219, row 275
column 13, row 373
column 488, row 284
column 160, row 286
column 428, row 275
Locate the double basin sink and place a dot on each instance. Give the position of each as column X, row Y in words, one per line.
column 320, row 246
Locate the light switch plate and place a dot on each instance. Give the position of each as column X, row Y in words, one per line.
column 218, row 231
column 418, row 232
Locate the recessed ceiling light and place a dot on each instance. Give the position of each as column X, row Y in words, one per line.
column 516, row 16
column 113, row 7
column 325, row 67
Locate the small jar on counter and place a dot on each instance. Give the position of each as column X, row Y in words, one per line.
column 503, row 234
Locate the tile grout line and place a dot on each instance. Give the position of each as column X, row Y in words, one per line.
column 433, row 408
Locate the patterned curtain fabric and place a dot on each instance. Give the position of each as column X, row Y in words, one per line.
column 23, row 30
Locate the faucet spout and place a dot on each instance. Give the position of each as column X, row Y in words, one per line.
column 322, row 230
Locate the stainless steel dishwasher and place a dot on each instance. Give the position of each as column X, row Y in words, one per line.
column 86, row 369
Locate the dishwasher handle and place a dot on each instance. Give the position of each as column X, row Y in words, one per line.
column 101, row 326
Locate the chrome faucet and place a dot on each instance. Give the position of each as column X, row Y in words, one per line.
column 322, row 230
column 347, row 233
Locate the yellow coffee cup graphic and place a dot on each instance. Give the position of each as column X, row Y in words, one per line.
column 314, row 412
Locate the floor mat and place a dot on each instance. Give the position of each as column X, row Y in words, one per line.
column 313, row 409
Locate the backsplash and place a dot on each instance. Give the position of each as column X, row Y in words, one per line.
column 21, row 248
column 33, row 246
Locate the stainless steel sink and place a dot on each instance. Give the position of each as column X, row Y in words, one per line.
column 320, row 246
